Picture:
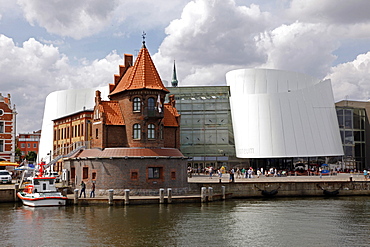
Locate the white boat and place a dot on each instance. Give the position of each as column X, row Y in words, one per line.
column 42, row 192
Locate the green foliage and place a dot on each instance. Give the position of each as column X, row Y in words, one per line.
column 31, row 156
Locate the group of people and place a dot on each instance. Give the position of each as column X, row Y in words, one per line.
column 83, row 189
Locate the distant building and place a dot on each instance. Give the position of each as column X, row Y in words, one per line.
column 28, row 142
column 7, row 129
column 353, row 119
column 135, row 136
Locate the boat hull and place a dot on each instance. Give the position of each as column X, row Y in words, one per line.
column 40, row 200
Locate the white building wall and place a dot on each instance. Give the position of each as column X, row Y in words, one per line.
column 282, row 114
column 63, row 103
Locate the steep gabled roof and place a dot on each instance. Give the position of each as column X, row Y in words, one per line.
column 111, row 112
column 143, row 75
column 171, row 116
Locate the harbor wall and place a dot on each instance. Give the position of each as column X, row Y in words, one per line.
column 7, row 195
column 288, row 189
column 246, row 190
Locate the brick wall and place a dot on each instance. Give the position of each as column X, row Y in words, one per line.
column 131, row 173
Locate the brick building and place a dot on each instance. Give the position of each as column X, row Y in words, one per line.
column 135, row 135
column 28, row 142
column 7, row 129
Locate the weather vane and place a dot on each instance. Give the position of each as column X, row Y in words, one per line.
column 143, row 35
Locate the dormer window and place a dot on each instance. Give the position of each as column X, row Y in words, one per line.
column 137, row 104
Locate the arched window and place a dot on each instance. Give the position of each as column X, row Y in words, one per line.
column 151, row 104
column 137, row 104
column 137, row 131
column 151, row 131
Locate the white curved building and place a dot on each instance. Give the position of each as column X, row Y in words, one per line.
column 62, row 103
column 280, row 114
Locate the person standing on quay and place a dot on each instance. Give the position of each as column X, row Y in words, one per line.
column 365, row 174
column 92, row 193
column 83, row 188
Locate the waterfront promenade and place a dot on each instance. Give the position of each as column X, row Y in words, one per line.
column 348, row 184
column 340, row 177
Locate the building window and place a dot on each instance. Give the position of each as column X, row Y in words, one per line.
column 1, row 145
column 137, row 104
column 28, row 145
column 23, row 145
column 93, row 176
column 151, row 104
column 154, row 172
column 137, row 131
column 1, row 127
column 85, row 172
column 34, row 145
column 96, row 133
column 173, row 175
column 134, row 175
column 73, row 173
column 151, row 131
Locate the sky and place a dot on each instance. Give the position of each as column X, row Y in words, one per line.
column 46, row 46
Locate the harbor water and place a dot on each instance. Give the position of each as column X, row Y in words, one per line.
column 337, row 221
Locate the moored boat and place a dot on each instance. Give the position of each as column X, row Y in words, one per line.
column 42, row 192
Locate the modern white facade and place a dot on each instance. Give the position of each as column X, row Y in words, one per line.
column 62, row 103
column 279, row 114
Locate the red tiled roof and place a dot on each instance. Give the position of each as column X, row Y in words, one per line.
column 129, row 152
column 112, row 113
column 143, row 75
column 170, row 116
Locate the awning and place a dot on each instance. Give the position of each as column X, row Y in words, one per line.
column 7, row 163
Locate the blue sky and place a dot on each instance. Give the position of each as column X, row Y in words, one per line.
column 53, row 45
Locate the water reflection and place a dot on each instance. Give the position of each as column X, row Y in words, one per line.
column 273, row 222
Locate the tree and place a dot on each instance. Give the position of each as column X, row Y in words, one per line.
column 31, row 156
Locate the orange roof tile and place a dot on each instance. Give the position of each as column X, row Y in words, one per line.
column 129, row 152
column 112, row 113
column 143, row 75
column 170, row 116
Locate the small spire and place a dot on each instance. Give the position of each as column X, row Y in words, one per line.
column 143, row 35
column 174, row 81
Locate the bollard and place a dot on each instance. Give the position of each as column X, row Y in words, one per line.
column 16, row 189
column 161, row 195
column 127, row 196
column 223, row 189
column 210, row 194
column 75, row 201
column 110, row 196
column 203, row 194
column 169, row 195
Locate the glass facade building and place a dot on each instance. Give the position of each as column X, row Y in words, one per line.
column 206, row 128
column 354, row 126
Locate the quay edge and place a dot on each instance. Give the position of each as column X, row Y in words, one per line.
column 232, row 190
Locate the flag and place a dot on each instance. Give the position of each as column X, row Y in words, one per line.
column 159, row 104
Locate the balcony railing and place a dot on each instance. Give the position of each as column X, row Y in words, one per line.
column 152, row 112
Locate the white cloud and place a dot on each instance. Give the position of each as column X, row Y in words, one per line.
column 300, row 47
column 29, row 73
column 76, row 19
column 352, row 80
column 216, row 35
